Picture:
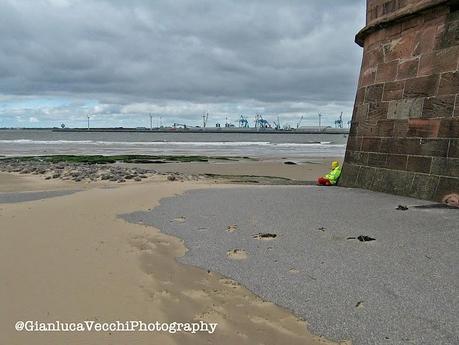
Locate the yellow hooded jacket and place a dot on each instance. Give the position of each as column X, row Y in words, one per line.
column 334, row 174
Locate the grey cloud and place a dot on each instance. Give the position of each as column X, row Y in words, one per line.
column 226, row 53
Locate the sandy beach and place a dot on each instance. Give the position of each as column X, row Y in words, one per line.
column 265, row 258
column 71, row 258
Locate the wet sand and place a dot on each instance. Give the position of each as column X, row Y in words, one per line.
column 289, row 246
column 303, row 169
column 71, row 258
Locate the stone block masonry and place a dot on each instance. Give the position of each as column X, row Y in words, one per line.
column 404, row 136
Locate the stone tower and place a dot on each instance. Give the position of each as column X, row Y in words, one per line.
column 404, row 136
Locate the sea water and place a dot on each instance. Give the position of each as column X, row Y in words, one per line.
column 256, row 145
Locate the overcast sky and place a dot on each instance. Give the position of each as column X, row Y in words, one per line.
column 120, row 60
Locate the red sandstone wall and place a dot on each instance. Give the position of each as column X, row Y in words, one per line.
column 405, row 128
column 380, row 9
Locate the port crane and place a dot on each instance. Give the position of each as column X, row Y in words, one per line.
column 205, row 118
column 243, row 122
column 228, row 124
column 339, row 122
column 260, row 122
column 299, row 122
column 277, row 124
column 320, row 120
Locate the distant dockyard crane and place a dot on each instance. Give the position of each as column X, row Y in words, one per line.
column 205, row 118
column 277, row 124
column 228, row 124
column 339, row 122
column 260, row 122
column 243, row 123
column 298, row 124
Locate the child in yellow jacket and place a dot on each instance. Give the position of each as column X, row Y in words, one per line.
column 332, row 177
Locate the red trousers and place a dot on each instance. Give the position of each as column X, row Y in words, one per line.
column 324, row 181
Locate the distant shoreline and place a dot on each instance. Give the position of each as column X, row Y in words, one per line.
column 325, row 130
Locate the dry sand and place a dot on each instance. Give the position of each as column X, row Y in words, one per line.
column 71, row 258
column 22, row 183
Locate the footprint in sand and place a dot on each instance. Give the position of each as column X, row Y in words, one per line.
column 213, row 314
column 179, row 220
column 230, row 283
column 196, row 294
column 141, row 243
column 231, row 228
column 237, row 254
column 264, row 237
column 163, row 243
